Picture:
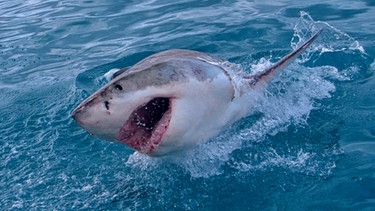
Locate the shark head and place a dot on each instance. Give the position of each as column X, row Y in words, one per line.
column 165, row 103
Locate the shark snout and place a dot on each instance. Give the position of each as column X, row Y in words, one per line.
column 83, row 113
column 78, row 115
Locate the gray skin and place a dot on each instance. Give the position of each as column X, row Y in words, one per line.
column 203, row 98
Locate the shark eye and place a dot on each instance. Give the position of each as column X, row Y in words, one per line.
column 118, row 87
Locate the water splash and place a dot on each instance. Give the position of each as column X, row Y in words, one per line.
column 340, row 41
column 342, row 56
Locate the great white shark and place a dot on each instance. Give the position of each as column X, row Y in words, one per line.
column 171, row 101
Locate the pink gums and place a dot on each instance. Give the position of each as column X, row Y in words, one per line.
column 134, row 133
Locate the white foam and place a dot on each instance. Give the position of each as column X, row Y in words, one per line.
column 108, row 75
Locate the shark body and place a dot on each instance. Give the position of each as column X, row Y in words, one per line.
column 171, row 101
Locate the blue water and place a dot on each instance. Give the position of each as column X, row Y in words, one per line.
column 308, row 144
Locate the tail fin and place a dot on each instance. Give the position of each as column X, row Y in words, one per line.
column 264, row 75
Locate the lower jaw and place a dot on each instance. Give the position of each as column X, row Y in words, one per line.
column 142, row 146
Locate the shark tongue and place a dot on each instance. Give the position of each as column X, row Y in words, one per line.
column 146, row 125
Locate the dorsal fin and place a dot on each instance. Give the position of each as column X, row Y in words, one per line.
column 264, row 75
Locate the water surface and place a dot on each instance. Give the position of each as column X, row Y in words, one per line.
column 308, row 144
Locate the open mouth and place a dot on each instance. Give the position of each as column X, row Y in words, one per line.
column 146, row 125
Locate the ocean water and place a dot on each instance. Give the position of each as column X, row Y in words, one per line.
column 309, row 143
